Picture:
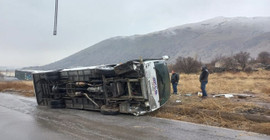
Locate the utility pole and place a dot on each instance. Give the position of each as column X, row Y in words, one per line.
column 55, row 18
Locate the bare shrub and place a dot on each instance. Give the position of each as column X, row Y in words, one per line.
column 229, row 63
column 242, row 59
column 264, row 58
column 187, row 65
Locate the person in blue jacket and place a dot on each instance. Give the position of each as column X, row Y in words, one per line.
column 204, row 80
column 174, row 81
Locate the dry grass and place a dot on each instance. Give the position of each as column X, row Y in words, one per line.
column 24, row 88
column 242, row 114
column 256, row 82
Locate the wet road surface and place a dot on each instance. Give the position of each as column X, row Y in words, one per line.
column 22, row 119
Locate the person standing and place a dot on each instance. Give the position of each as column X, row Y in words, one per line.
column 204, row 80
column 174, row 81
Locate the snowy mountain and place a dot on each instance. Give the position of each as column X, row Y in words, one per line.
column 204, row 40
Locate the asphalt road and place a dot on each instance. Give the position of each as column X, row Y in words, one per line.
column 22, row 119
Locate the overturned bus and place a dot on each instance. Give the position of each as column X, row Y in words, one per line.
column 136, row 87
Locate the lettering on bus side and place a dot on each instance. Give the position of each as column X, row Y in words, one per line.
column 154, row 85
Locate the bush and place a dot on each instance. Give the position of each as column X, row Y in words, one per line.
column 264, row 58
column 242, row 59
column 186, row 65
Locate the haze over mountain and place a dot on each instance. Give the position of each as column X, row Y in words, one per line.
column 203, row 40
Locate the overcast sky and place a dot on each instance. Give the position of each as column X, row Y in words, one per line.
column 26, row 26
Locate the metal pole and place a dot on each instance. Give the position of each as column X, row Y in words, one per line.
column 55, row 18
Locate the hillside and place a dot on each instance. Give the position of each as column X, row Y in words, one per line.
column 204, row 40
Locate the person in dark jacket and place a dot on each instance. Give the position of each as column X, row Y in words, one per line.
column 174, row 81
column 204, row 80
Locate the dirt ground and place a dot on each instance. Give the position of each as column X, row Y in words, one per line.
column 250, row 113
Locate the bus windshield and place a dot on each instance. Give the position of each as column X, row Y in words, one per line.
column 163, row 80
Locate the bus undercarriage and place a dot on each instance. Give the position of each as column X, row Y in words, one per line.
column 134, row 87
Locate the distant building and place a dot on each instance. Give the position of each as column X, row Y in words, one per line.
column 219, row 64
column 7, row 73
column 24, row 74
column 219, row 67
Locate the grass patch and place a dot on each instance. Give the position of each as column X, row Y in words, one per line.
column 242, row 114
column 24, row 88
